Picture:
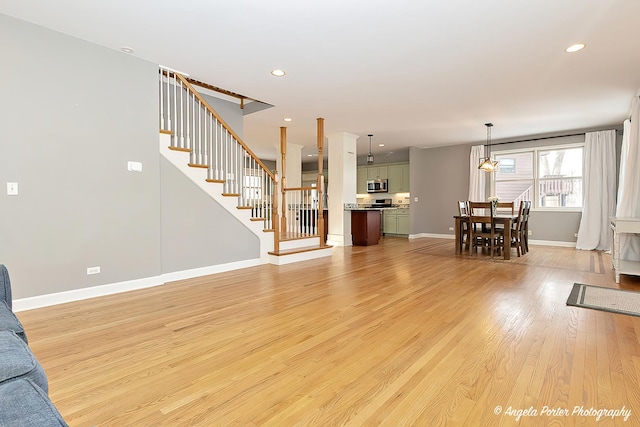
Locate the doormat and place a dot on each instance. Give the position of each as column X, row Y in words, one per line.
column 605, row 299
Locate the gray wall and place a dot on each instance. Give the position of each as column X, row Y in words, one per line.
column 229, row 111
column 440, row 177
column 196, row 231
column 73, row 113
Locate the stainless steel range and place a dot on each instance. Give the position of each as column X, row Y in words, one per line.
column 381, row 203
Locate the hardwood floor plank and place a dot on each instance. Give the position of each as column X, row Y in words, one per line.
column 405, row 332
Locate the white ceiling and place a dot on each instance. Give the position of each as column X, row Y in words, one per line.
column 411, row 72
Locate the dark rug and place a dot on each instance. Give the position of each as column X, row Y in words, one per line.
column 605, row 299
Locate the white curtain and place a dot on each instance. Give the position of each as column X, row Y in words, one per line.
column 629, row 181
column 598, row 190
column 477, row 177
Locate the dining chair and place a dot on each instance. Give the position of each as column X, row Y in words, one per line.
column 463, row 210
column 525, row 219
column 517, row 232
column 481, row 232
column 506, row 208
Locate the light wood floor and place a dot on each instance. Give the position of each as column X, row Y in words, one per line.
column 402, row 333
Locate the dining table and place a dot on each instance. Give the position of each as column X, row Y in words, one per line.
column 506, row 220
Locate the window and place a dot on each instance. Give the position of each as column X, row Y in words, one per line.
column 551, row 177
column 507, row 165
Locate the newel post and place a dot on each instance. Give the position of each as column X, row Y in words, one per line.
column 320, row 184
column 276, row 217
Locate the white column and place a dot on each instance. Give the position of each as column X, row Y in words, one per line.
column 342, row 186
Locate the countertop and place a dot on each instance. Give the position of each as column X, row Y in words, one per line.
column 370, row 208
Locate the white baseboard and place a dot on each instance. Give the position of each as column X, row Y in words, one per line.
column 40, row 301
column 205, row 271
column 552, row 243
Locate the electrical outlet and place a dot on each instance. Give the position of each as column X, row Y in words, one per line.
column 450, row 228
column 530, row 232
column 93, row 270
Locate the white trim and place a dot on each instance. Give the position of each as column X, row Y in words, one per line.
column 84, row 293
column 40, row 301
column 337, row 240
column 212, row 269
column 553, row 243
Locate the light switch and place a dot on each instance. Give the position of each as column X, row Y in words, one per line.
column 415, row 199
column 12, row 188
column 134, row 166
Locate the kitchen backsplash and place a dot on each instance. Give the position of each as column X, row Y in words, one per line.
column 401, row 200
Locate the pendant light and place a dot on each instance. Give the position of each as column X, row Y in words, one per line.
column 370, row 156
column 487, row 164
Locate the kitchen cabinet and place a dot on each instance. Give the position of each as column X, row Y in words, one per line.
column 377, row 172
column 390, row 222
column 403, row 221
column 396, row 221
column 398, row 176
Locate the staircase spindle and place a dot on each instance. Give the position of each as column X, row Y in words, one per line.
column 180, row 138
column 161, row 100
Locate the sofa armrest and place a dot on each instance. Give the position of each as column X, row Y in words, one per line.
column 5, row 285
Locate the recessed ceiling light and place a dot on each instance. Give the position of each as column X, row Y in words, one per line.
column 309, row 155
column 126, row 49
column 288, row 119
column 575, row 47
column 278, row 73
column 380, row 145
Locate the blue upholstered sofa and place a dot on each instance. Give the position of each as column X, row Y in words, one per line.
column 24, row 400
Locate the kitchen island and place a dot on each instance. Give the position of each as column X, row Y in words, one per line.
column 365, row 227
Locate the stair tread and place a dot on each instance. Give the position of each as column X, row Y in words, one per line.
column 299, row 250
column 184, row 150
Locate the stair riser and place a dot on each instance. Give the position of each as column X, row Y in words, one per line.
column 303, row 256
column 299, row 243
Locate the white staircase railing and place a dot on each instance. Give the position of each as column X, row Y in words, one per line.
column 300, row 213
column 197, row 129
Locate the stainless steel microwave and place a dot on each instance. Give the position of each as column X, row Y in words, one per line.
column 377, row 186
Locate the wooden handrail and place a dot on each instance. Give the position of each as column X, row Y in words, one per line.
column 223, row 123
